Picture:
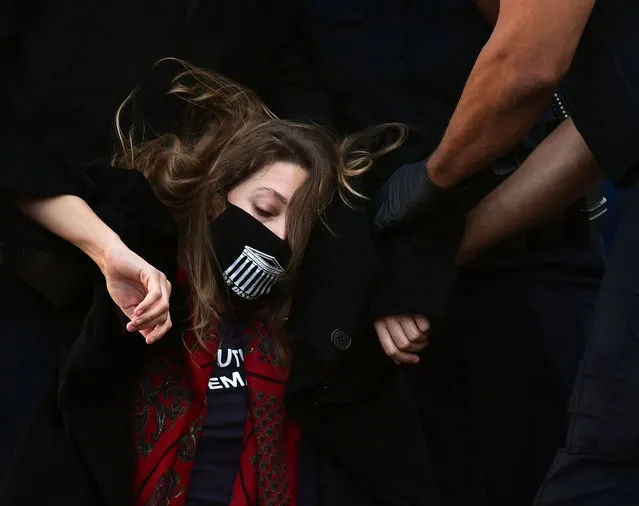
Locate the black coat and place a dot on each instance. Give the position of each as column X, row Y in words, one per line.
column 340, row 374
column 68, row 68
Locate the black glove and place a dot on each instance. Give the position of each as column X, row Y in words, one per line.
column 419, row 227
column 409, row 196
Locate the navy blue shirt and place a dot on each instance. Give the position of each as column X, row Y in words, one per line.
column 220, row 447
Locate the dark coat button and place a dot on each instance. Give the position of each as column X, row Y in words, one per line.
column 341, row 339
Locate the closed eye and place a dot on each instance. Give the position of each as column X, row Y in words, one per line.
column 263, row 213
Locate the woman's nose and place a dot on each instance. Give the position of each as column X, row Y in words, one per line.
column 278, row 227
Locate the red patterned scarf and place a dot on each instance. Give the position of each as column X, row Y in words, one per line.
column 168, row 413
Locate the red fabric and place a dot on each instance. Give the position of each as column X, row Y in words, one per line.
column 168, row 413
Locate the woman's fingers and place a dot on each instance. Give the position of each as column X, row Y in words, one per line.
column 422, row 322
column 411, row 331
column 151, row 324
column 153, row 282
column 411, row 341
column 403, row 336
column 154, row 309
column 157, row 333
column 390, row 347
column 158, row 312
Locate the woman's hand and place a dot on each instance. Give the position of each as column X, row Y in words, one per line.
column 139, row 289
column 403, row 336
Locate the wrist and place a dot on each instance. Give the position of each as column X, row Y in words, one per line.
column 440, row 174
column 438, row 177
column 99, row 246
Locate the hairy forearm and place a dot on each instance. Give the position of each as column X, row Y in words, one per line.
column 513, row 80
column 558, row 172
column 500, row 104
column 72, row 219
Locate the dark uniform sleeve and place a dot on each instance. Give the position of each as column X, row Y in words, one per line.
column 602, row 88
column 292, row 91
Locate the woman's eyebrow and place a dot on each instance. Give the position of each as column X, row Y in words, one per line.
column 275, row 193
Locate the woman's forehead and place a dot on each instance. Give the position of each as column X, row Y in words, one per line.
column 279, row 179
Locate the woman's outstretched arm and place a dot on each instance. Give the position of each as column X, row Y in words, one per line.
column 139, row 289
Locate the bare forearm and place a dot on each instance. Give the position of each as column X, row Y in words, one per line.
column 558, row 172
column 494, row 114
column 511, row 84
column 72, row 219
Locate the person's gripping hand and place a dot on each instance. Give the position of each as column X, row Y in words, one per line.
column 409, row 195
column 403, row 336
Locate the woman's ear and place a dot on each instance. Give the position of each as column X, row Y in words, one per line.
column 218, row 204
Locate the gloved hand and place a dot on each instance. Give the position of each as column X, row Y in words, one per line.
column 409, row 196
column 419, row 227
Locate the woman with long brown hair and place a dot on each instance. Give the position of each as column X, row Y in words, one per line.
column 200, row 413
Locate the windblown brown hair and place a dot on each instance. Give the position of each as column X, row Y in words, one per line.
column 226, row 135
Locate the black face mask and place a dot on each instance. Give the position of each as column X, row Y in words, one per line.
column 252, row 259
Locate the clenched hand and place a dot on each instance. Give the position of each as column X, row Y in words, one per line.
column 403, row 336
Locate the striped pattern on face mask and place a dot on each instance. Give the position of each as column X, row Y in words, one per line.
column 253, row 273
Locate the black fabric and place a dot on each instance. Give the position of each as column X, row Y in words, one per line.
column 365, row 385
column 232, row 232
column 331, row 387
column 366, row 277
column 29, row 357
column 600, row 460
column 343, row 264
column 410, row 196
column 498, row 374
column 602, row 88
column 599, row 463
column 419, row 273
column 321, row 288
